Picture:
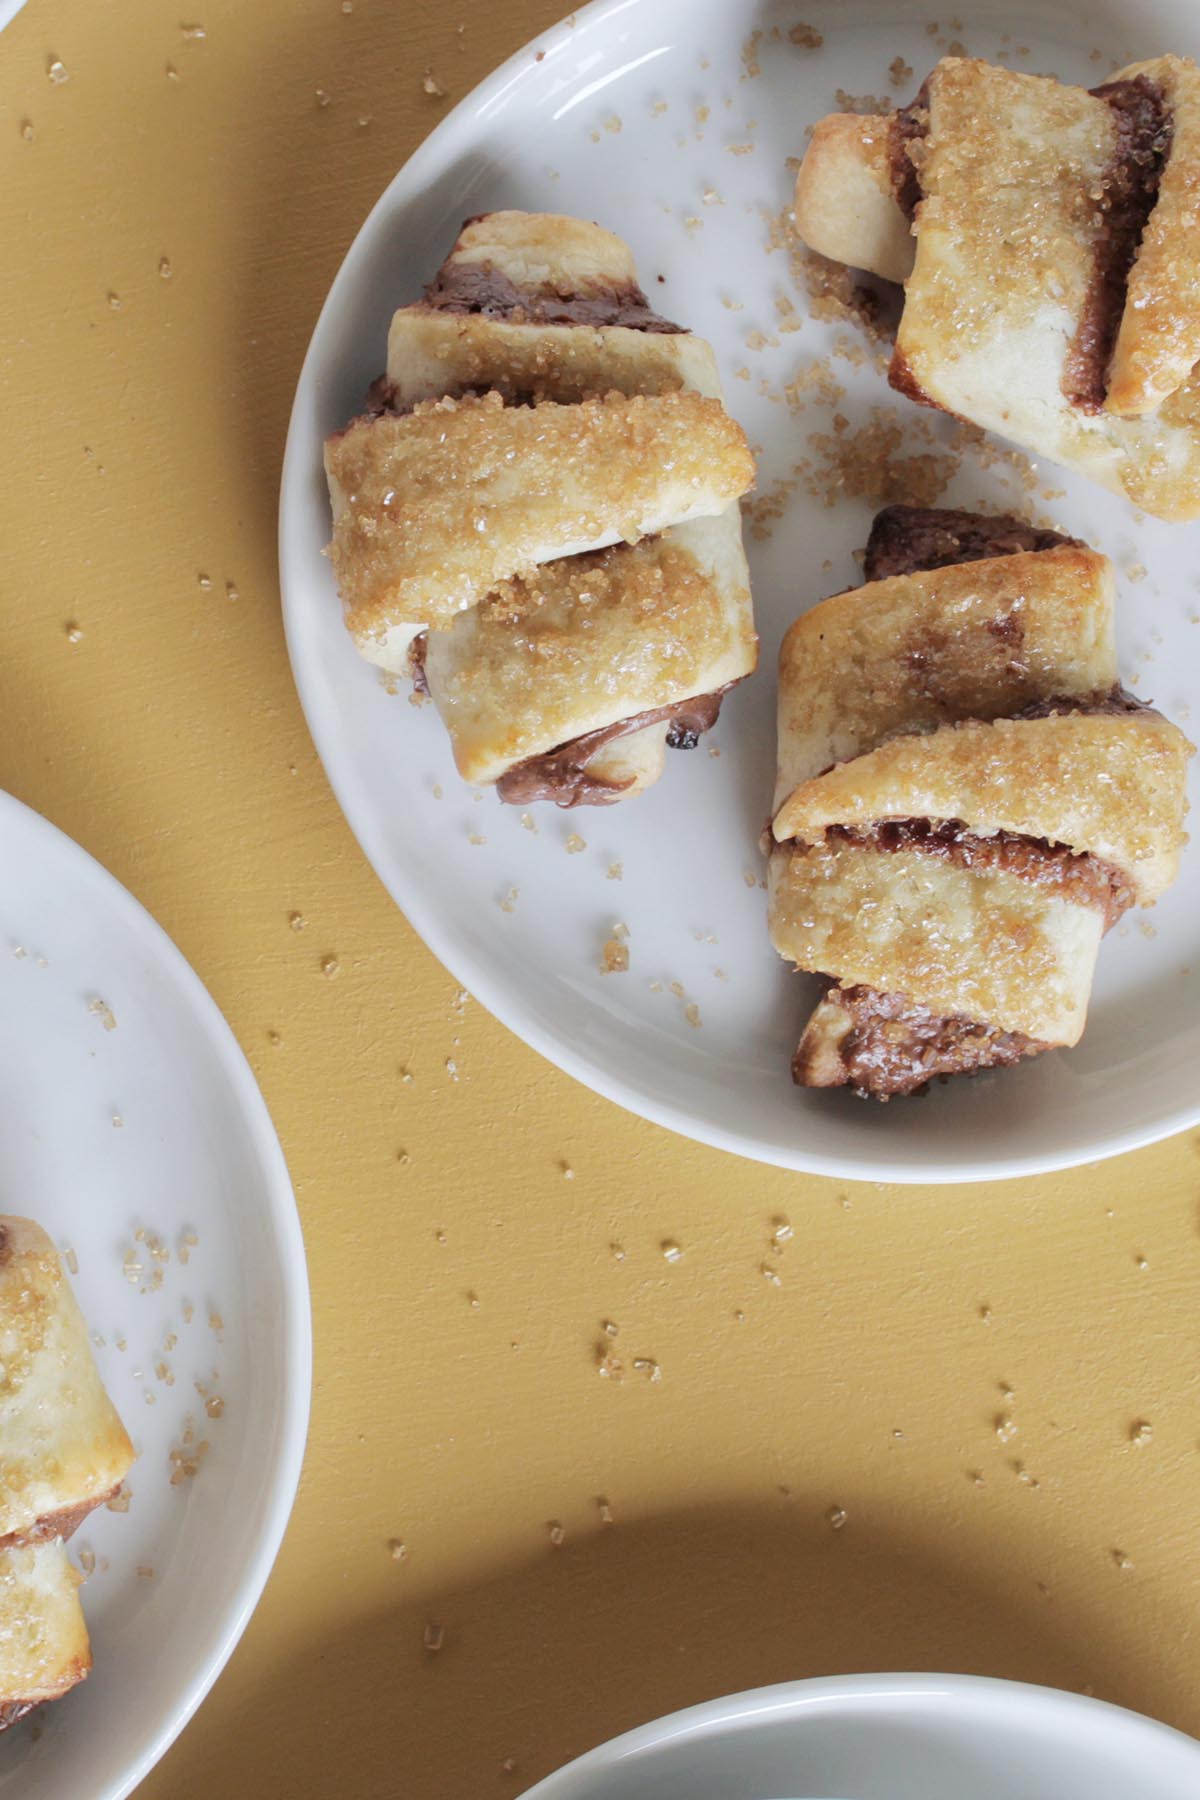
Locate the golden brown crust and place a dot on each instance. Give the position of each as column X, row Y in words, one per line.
column 999, row 949
column 591, row 639
column 62, row 1447
column 1007, row 242
column 44, row 1650
column 431, row 354
column 970, row 641
column 959, row 862
column 440, row 505
column 1103, row 785
column 1158, row 343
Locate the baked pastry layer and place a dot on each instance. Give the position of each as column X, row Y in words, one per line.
column 63, row 1448
column 977, row 640
column 44, row 1649
column 591, row 639
column 991, row 947
column 435, row 508
column 1104, row 784
column 1055, row 291
column 965, row 801
column 568, row 675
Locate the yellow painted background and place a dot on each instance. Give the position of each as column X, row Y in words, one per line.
column 140, row 449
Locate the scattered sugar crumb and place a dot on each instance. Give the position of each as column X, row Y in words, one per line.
column 575, row 844
column 806, row 36
column 861, row 103
column 691, row 1013
column 899, row 72
column 432, row 85
column 614, row 958
column 509, row 900
column 103, row 1012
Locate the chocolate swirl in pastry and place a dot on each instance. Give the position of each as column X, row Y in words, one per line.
column 544, row 516
column 63, row 1451
column 1048, row 239
column 966, row 801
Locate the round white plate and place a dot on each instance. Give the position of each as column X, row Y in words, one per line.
column 890, row 1737
column 638, row 113
column 194, row 1157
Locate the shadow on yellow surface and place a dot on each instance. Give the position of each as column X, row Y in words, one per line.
column 544, row 1660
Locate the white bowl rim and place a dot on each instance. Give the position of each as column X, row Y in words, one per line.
column 851, row 1692
column 421, row 910
column 295, row 1326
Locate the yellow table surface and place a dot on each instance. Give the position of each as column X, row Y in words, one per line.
column 144, row 418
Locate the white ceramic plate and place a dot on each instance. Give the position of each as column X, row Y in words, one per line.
column 890, row 1737
column 194, row 1156
column 630, row 113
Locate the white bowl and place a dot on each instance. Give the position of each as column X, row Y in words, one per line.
column 630, row 113
column 890, row 1737
column 155, row 1124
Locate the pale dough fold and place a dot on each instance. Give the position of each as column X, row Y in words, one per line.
column 62, row 1446
column 44, row 1649
column 1012, row 168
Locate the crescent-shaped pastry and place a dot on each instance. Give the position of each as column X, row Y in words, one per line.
column 63, row 1451
column 966, row 801
column 1048, row 239
column 574, row 595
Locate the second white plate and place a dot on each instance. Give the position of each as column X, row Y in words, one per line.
column 672, row 122
column 132, row 1129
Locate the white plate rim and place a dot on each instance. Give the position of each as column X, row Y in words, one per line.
column 472, row 972
column 851, row 1692
column 295, row 1327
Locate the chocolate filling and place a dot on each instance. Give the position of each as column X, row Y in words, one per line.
column 482, row 289
column 1144, row 128
column 416, row 663
column 1080, row 878
column 907, row 126
column 1115, row 700
column 892, row 1046
column 905, row 539
column 562, row 774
